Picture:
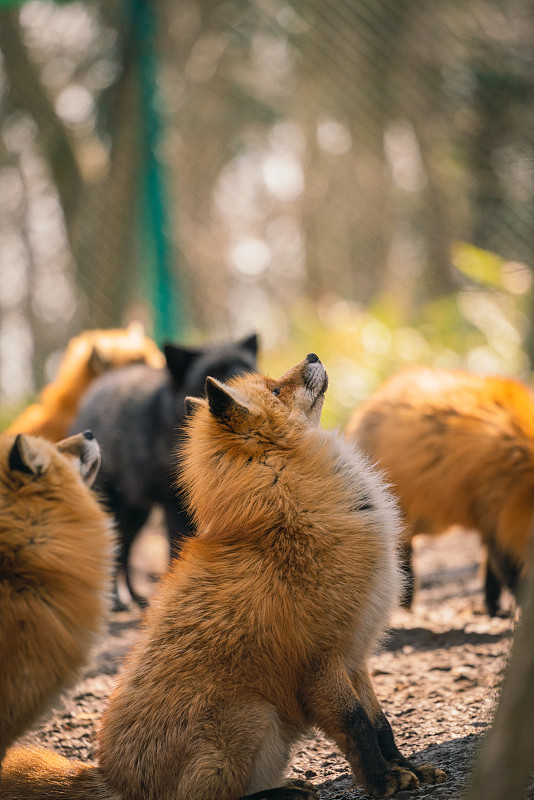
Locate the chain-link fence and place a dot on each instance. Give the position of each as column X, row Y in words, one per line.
column 336, row 150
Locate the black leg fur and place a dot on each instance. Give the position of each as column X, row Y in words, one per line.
column 425, row 773
column 492, row 591
column 294, row 790
column 405, row 563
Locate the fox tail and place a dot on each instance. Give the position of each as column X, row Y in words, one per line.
column 33, row 773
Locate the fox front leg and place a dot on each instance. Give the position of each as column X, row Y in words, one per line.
column 426, row 773
column 333, row 706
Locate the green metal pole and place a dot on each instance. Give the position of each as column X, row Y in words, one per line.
column 157, row 249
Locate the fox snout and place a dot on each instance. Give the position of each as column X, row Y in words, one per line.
column 315, row 377
column 309, row 373
column 304, row 386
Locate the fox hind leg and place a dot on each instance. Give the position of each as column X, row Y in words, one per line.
column 271, row 757
column 492, row 591
column 241, row 751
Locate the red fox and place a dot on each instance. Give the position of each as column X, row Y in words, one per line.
column 458, row 449
column 87, row 355
column 55, row 572
column 264, row 625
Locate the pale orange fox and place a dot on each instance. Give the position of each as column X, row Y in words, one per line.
column 458, row 449
column 263, row 627
column 55, row 572
column 87, row 355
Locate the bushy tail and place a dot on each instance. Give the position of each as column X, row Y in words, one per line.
column 33, row 773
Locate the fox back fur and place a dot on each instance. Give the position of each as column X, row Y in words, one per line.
column 263, row 627
column 87, row 356
column 55, row 572
column 458, row 449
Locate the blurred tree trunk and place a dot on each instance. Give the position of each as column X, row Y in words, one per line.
column 100, row 218
column 105, row 234
column 507, row 755
column 27, row 92
column 437, row 225
column 205, row 129
column 214, row 112
column 347, row 57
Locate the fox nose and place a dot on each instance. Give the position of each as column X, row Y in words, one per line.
column 311, row 358
column 88, row 435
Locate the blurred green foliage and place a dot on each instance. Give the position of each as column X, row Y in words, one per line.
column 9, row 412
column 481, row 327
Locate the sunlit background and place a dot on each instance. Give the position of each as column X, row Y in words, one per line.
column 354, row 178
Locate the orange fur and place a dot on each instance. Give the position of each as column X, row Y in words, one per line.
column 263, row 627
column 87, row 355
column 55, row 573
column 459, row 450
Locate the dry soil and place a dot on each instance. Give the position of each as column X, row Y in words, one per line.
column 437, row 676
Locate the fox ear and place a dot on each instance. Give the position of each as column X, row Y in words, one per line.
column 191, row 404
column 179, row 359
column 98, row 362
column 225, row 403
column 136, row 328
column 26, row 456
column 250, row 343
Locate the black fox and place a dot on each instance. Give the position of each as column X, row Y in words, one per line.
column 136, row 413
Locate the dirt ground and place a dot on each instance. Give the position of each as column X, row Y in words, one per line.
column 437, row 676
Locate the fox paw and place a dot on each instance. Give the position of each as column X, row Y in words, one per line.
column 395, row 780
column 429, row 774
column 294, row 789
column 304, row 790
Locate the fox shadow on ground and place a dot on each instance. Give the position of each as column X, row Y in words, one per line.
column 424, row 639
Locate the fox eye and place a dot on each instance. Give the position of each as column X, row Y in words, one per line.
column 276, row 391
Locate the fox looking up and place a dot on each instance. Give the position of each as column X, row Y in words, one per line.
column 263, row 627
